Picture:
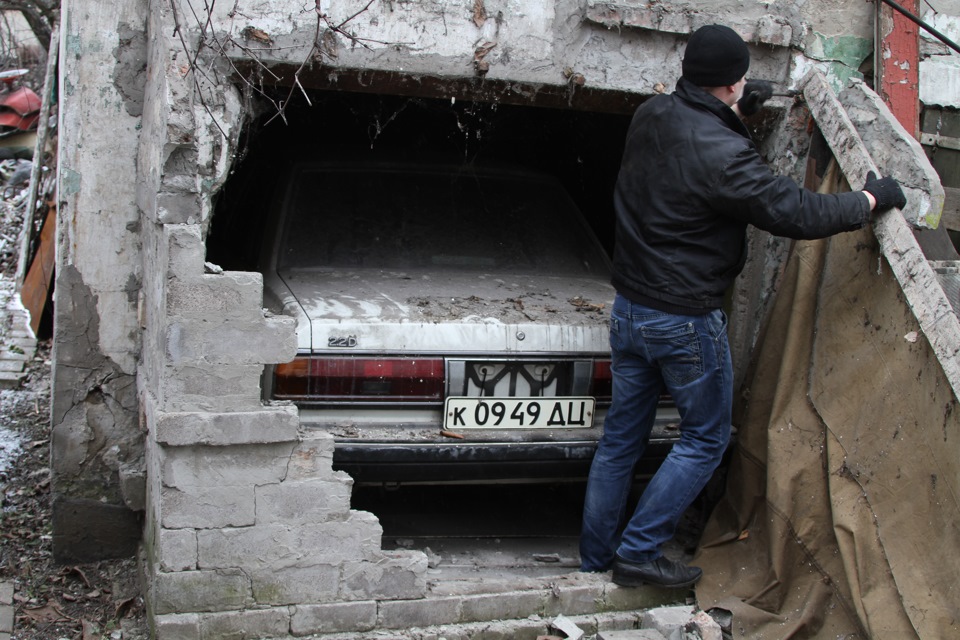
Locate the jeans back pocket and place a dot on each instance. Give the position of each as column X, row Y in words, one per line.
column 677, row 350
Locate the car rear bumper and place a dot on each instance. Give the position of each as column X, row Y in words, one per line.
column 388, row 463
column 467, row 461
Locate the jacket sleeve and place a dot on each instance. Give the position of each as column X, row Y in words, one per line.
column 746, row 189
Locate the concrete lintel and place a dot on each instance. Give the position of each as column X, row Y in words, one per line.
column 895, row 150
column 855, row 158
column 923, row 292
column 768, row 29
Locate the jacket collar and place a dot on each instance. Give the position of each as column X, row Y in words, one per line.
column 697, row 97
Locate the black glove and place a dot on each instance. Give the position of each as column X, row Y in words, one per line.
column 755, row 93
column 887, row 191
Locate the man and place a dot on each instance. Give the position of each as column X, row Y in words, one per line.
column 690, row 182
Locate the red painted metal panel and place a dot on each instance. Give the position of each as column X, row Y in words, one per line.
column 899, row 66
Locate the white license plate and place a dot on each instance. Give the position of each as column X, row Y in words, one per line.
column 563, row 412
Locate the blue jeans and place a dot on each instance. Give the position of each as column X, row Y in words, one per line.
column 652, row 350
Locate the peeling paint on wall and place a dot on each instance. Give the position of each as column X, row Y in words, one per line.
column 850, row 50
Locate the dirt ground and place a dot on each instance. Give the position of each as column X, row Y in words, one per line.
column 78, row 602
column 51, row 601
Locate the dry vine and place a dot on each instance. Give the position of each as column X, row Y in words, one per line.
column 322, row 48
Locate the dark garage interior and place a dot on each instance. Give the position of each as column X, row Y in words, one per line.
column 581, row 148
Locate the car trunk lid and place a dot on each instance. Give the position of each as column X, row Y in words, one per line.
column 369, row 310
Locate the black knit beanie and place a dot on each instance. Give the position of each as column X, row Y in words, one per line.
column 715, row 57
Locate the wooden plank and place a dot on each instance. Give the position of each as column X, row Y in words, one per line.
column 49, row 83
column 39, row 278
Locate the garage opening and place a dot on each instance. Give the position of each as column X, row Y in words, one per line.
column 467, row 519
column 581, row 149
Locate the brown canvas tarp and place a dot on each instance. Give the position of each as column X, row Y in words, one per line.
column 842, row 512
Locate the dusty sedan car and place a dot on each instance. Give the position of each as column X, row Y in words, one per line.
column 452, row 322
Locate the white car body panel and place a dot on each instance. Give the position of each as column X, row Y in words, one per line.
column 402, row 312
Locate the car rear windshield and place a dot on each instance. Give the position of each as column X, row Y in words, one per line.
column 430, row 219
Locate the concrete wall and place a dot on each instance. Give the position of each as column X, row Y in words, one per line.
column 97, row 444
column 158, row 426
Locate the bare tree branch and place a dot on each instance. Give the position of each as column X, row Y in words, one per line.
column 40, row 16
column 323, row 45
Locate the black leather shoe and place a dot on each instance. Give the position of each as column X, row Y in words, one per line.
column 661, row 572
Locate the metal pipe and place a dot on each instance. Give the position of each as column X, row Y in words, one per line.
column 923, row 25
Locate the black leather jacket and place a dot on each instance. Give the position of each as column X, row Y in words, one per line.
column 690, row 182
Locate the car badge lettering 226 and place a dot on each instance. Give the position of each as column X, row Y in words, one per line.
column 563, row 412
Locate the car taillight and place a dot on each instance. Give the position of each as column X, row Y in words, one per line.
column 602, row 381
column 338, row 380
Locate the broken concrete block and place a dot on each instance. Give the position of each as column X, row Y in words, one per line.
column 396, row 575
column 669, row 621
column 567, row 626
column 231, row 341
column 178, row 208
column 184, row 626
column 199, row 591
column 774, row 31
column 336, row 617
column 185, row 250
column 205, row 507
column 406, row 614
column 277, row 546
column 252, row 623
column 214, row 388
column 177, row 549
column 305, row 502
column 313, row 457
column 269, row 425
column 295, row 585
column 706, row 626
column 510, row 605
column 574, row 600
column 236, row 293
column 235, row 466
